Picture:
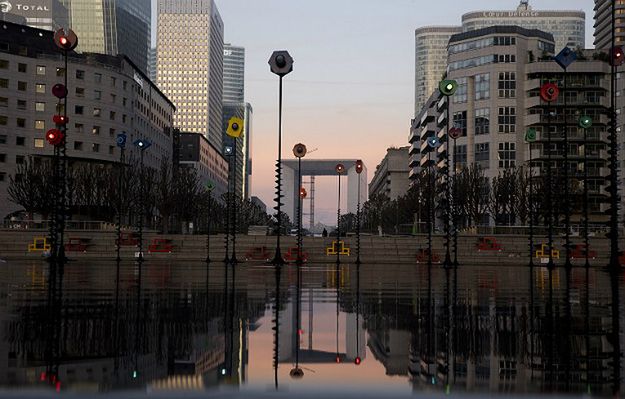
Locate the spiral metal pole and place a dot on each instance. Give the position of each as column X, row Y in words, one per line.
column 278, row 259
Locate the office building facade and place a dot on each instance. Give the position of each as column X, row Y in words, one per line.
column 234, row 74
column 430, row 59
column 212, row 168
column 113, row 27
column 190, row 65
column 391, row 178
column 603, row 24
column 107, row 95
column 567, row 27
column 44, row 14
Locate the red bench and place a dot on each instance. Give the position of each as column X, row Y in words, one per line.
column 423, row 255
column 77, row 244
column 579, row 252
column 258, row 253
column 162, row 245
column 128, row 239
column 488, row 244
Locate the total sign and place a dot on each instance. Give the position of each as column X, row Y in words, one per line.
column 17, row 8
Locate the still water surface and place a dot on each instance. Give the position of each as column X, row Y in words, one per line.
column 104, row 327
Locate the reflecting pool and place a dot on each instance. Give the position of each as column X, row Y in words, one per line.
column 394, row 329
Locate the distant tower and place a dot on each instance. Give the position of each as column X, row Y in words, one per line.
column 189, row 66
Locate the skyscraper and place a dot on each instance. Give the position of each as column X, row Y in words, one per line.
column 568, row 27
column 603, row 24
column 430, row 59
column 234, row 74
column 190, row 64
column 152, row 64
column 112, row 27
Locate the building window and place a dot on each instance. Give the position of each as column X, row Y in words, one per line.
column 40, row 107
column 112, row 115
column 112, row 132
column 78, row 145
column 20, row 140
column 21, row 67
column 41, row 70
column 3, row 138
column 98, row 77
column 111, row 150
column 95, row 130
column 79, row 109
column 40, row 88
column 19, row 159
column 21, row 86
column 79, row 127
column 60, row 72
column 482, row 155
column 4, row 102
column 80, row 74
column 124, row 101
column 460, row 156
column 125, row 85
column 95, row 147
column 21, row 122
column 3, row 158
column 3, row 120
column 113, row 98
column 461, row 92
column 80, row 92
column 97, row 112
column 97, row 95
column 4, row 83
column 4, row 64
column 507, row 85
column 460, row 121
column 113, row 81
column 506, row 58
column 482, row 86
column 38, row 143
column 3, row 176
column 507, row 155
column 40, row 125
column 482, row 121
column 21, row 104
column 507, row 120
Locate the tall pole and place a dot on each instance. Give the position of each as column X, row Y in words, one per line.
column 281, row 64
column 338, row 222
column 120, row 182
column 358, row 224
column 299, row 212
column 567, row 200
column 531, row 199
column 430, row 204
column 454, row 208
column 586, row 237
column 141, row 206
column 233, row 258
column 550, row 264
column 447, row 217
column 208, row 224
column 228, row 210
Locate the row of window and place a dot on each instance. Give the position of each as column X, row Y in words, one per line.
column 481, row 43
column 506, row 155
column 506, row 120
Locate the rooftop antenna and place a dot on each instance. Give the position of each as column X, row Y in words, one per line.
column 525, row 5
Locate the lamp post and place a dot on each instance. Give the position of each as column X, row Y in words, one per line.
column 234, row 130
column 228, row 150
column 340, row 169
column 549, row 93
column 530, row 137
column 454, row 133
column 433, row 143
column 299, row 151
column 209, row 188
column 565, row 58
column 447, row 88
column 66, row 41
column 585, row 122
column 281, row 64
column 359, row 169
column 142, row 145
column 121, row 143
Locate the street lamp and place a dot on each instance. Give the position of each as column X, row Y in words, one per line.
column 447, row 88
column 565, row 58
column 228, row 150
column 359, row 168
column 281, row 64
column 340, row 169
column 549, row 93
column 454, row 133
column 433, row 143
column 121, row 143
column 299, row 151
column 585, row 122
column 142, row 145
column 234, row 130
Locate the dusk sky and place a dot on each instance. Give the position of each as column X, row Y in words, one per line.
column 351, row 94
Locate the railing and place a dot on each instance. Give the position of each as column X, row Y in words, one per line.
column 69, row 225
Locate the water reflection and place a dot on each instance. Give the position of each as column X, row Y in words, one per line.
column 160, row 326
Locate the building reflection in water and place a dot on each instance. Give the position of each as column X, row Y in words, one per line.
column 162, row 326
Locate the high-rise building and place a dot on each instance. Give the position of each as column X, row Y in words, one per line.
column 391, row 175
column 44, row 14
column 234, row 74
column 190, row 64
column 112, row 27
column 603, row 24
column 152, row 64
column 430, row 59
column 568, row 27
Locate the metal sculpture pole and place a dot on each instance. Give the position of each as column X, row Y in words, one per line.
column 359, row 169
column 121, row 143
column 447, row 89
column 299, row 150
column 209, row 219
column 585, row 123
column 281, row 64
column 142, row 145
column 228, row 151
column 549, row 93
column 454, row 133
column 530, row 137
column 339, row 170
column 234, row 130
